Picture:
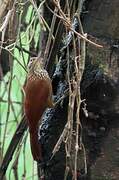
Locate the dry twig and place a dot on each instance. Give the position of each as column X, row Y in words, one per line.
column 67, row 23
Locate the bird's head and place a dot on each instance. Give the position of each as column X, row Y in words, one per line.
column 35, row 65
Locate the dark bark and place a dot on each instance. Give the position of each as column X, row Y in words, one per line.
column 102, row 96
column 100, row 88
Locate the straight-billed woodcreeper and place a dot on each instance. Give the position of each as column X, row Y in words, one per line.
column 38, row 97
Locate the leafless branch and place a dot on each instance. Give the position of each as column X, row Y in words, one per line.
column 67, row 23
column 13, row 144
column 3, row 7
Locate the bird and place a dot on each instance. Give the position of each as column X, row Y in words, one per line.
column 38, row 97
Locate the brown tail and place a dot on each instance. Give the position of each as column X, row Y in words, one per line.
column 36, row 148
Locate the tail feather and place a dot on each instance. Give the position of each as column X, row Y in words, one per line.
column 36, row 148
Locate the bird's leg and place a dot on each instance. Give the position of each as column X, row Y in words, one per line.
column 50, row 102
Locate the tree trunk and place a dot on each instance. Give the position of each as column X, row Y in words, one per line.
column 102, row 21
column 100, row 88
